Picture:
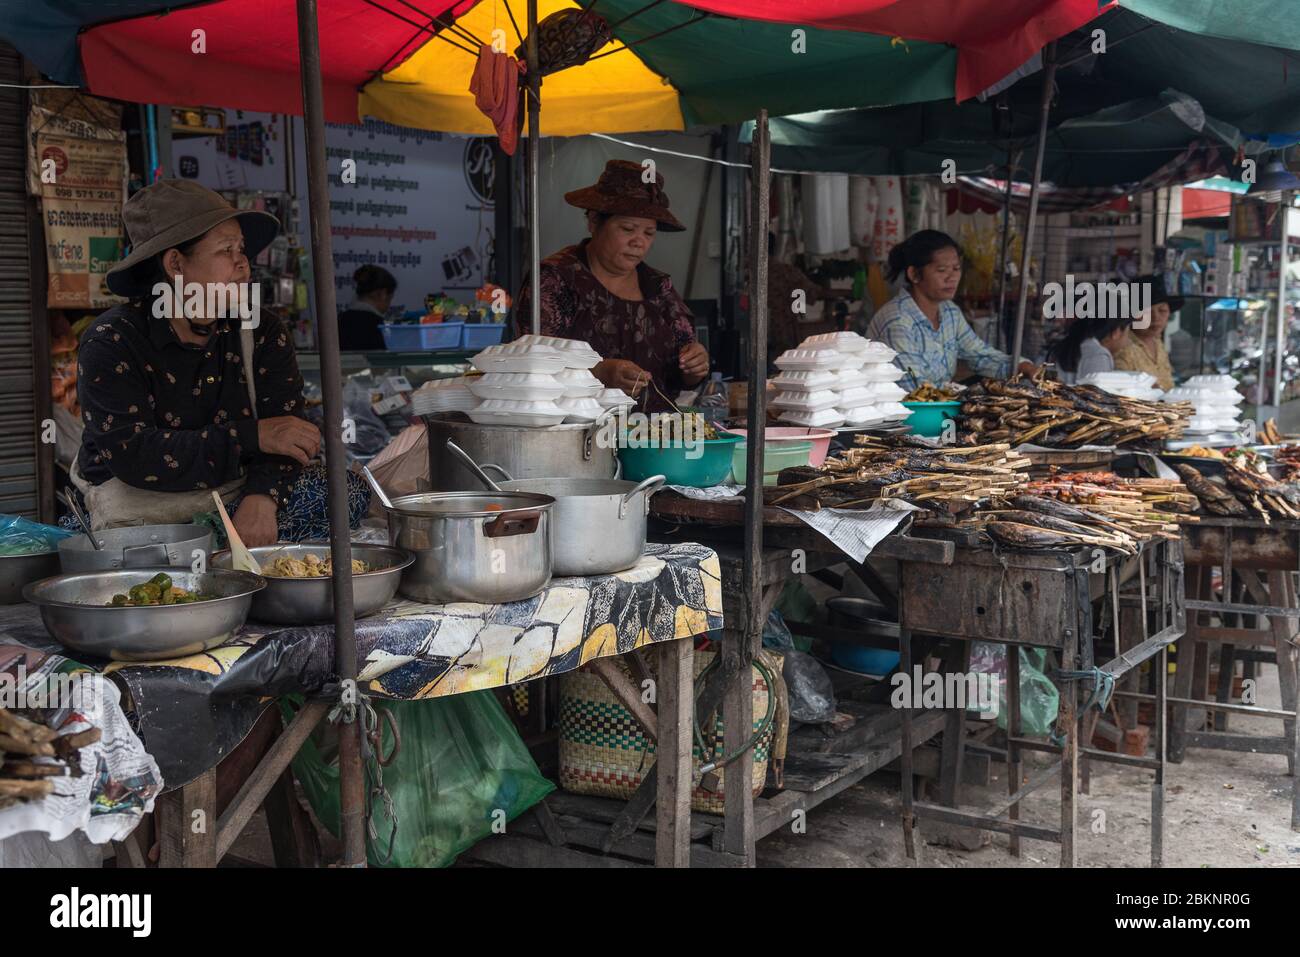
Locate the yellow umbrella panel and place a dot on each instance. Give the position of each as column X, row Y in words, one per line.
column 608, row 94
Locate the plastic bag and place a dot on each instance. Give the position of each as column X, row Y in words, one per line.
column 812, row 696
column 462, row 772
column 1039, row 698
column 19, row 536
column 372, row 435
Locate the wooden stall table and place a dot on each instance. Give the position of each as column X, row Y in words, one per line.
column 818, row 765
column 1044, row 600
column 195, row 712
column 1258, row 563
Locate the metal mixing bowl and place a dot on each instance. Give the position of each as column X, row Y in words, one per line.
column 75, row 611
column 17, row 570
column 305, row 601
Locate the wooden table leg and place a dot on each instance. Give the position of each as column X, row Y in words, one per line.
column 738, row 726
column 673, row 754
column 1069, row 721
column 188, row 828
column 1014, row 769
column 1183, row 675
column 953, row 748
column 1281, row 593
column 905, row 755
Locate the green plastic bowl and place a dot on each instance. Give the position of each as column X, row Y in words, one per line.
column 782, row 455
column 927, row 418
column 710, row 466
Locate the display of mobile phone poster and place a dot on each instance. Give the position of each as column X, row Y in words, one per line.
column 77, row 166
column 417, row 203
column 214, row 161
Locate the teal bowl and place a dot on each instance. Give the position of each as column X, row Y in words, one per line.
column 710, row 465
column 927, row 418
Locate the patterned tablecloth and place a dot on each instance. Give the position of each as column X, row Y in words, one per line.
column 192, row 711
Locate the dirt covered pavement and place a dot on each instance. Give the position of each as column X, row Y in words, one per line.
column 1222, row 809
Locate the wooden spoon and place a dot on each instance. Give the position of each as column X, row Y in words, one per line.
column 240, row 557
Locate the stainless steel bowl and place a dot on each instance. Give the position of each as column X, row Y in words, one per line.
column 75, row 611
column 304, row 601
column 17, row 570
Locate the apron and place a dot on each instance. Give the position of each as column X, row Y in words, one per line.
column 114, row 503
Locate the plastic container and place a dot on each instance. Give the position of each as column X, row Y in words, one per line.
column 822, row 419
column 807, row 380
column 882, row 372
column 865, row 661
column 927, row 418
column 421, row 338
column 478, row 335
column 776, row 456
column 841, row 341
column 614, row 398
column 517, row 412
column 709, row 466
column 579, row 384
column 807, row 401
column 862, row 416
column 785, row 435
column 515, row 385
column 797, row 359
column 580, row 410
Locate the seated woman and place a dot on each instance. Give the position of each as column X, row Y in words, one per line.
column 178, row 402
column 359, row 323
column 602, row 292
column 1088, row 347
column 1143, row 349
column 922, row 323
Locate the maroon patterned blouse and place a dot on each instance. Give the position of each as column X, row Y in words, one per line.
column 576, row 305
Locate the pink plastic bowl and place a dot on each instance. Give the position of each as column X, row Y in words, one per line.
column 820, row 439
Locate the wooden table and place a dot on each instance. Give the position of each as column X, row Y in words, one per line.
column 1258, row 614
column 1040, row 600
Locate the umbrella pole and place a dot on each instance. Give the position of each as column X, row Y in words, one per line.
column 1284, row 211
column 351, row 796
column 739, row 835
column 1045, row 106
column 534, row 165
column 1000, row 327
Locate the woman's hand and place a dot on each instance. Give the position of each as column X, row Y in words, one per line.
column 255, row 521
column 288, row 435
column 622, row 374
column 694, row 362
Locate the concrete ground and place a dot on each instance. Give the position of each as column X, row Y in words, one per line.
column 1222, row 809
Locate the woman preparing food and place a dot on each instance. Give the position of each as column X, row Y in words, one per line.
column 171, row 410
column 602, row 292
column 922, row 323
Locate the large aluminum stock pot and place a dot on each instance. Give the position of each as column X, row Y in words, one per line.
column 572, row 451
column 473, row 546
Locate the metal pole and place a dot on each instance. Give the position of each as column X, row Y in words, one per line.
column 761, row 161
column 1000, row 325
column 1285, row 212
column 1045, row 106
column 351, row 795
column 534, row 165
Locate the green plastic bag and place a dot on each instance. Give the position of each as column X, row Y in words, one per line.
column 462, row 772
column 1039, row 699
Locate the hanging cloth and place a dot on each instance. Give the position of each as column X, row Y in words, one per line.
column 495, row 85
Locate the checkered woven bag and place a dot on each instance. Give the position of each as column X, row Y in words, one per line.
column 604, row 752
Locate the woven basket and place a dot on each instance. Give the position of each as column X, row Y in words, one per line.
column 604, row 752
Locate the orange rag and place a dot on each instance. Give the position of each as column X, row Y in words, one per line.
column 495, row 85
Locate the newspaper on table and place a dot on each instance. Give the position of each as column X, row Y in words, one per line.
column 119, row 780
column 855, row 532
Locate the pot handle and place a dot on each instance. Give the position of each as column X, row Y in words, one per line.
column 517, row 523
column 649, row 486
column 491, row 465
column 136, row 556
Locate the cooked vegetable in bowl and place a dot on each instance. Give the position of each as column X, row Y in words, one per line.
column 158, row 590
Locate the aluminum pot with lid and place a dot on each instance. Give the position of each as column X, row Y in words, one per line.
column 600, row 524
column 473, row 546
column 135, row 546
column 573, row 451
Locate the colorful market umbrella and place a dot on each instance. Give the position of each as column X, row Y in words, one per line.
column 409, row 61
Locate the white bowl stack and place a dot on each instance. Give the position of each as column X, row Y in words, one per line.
column 444, row 395
column 537, row 381
column 1217, row 402
column 1130, row 385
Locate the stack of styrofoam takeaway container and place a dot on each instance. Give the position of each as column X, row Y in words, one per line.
column 1130, row 385
column 839, row 378
column 1217, row 402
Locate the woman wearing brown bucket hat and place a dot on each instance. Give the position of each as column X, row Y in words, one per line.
column 186, row 387
column 602, row 292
